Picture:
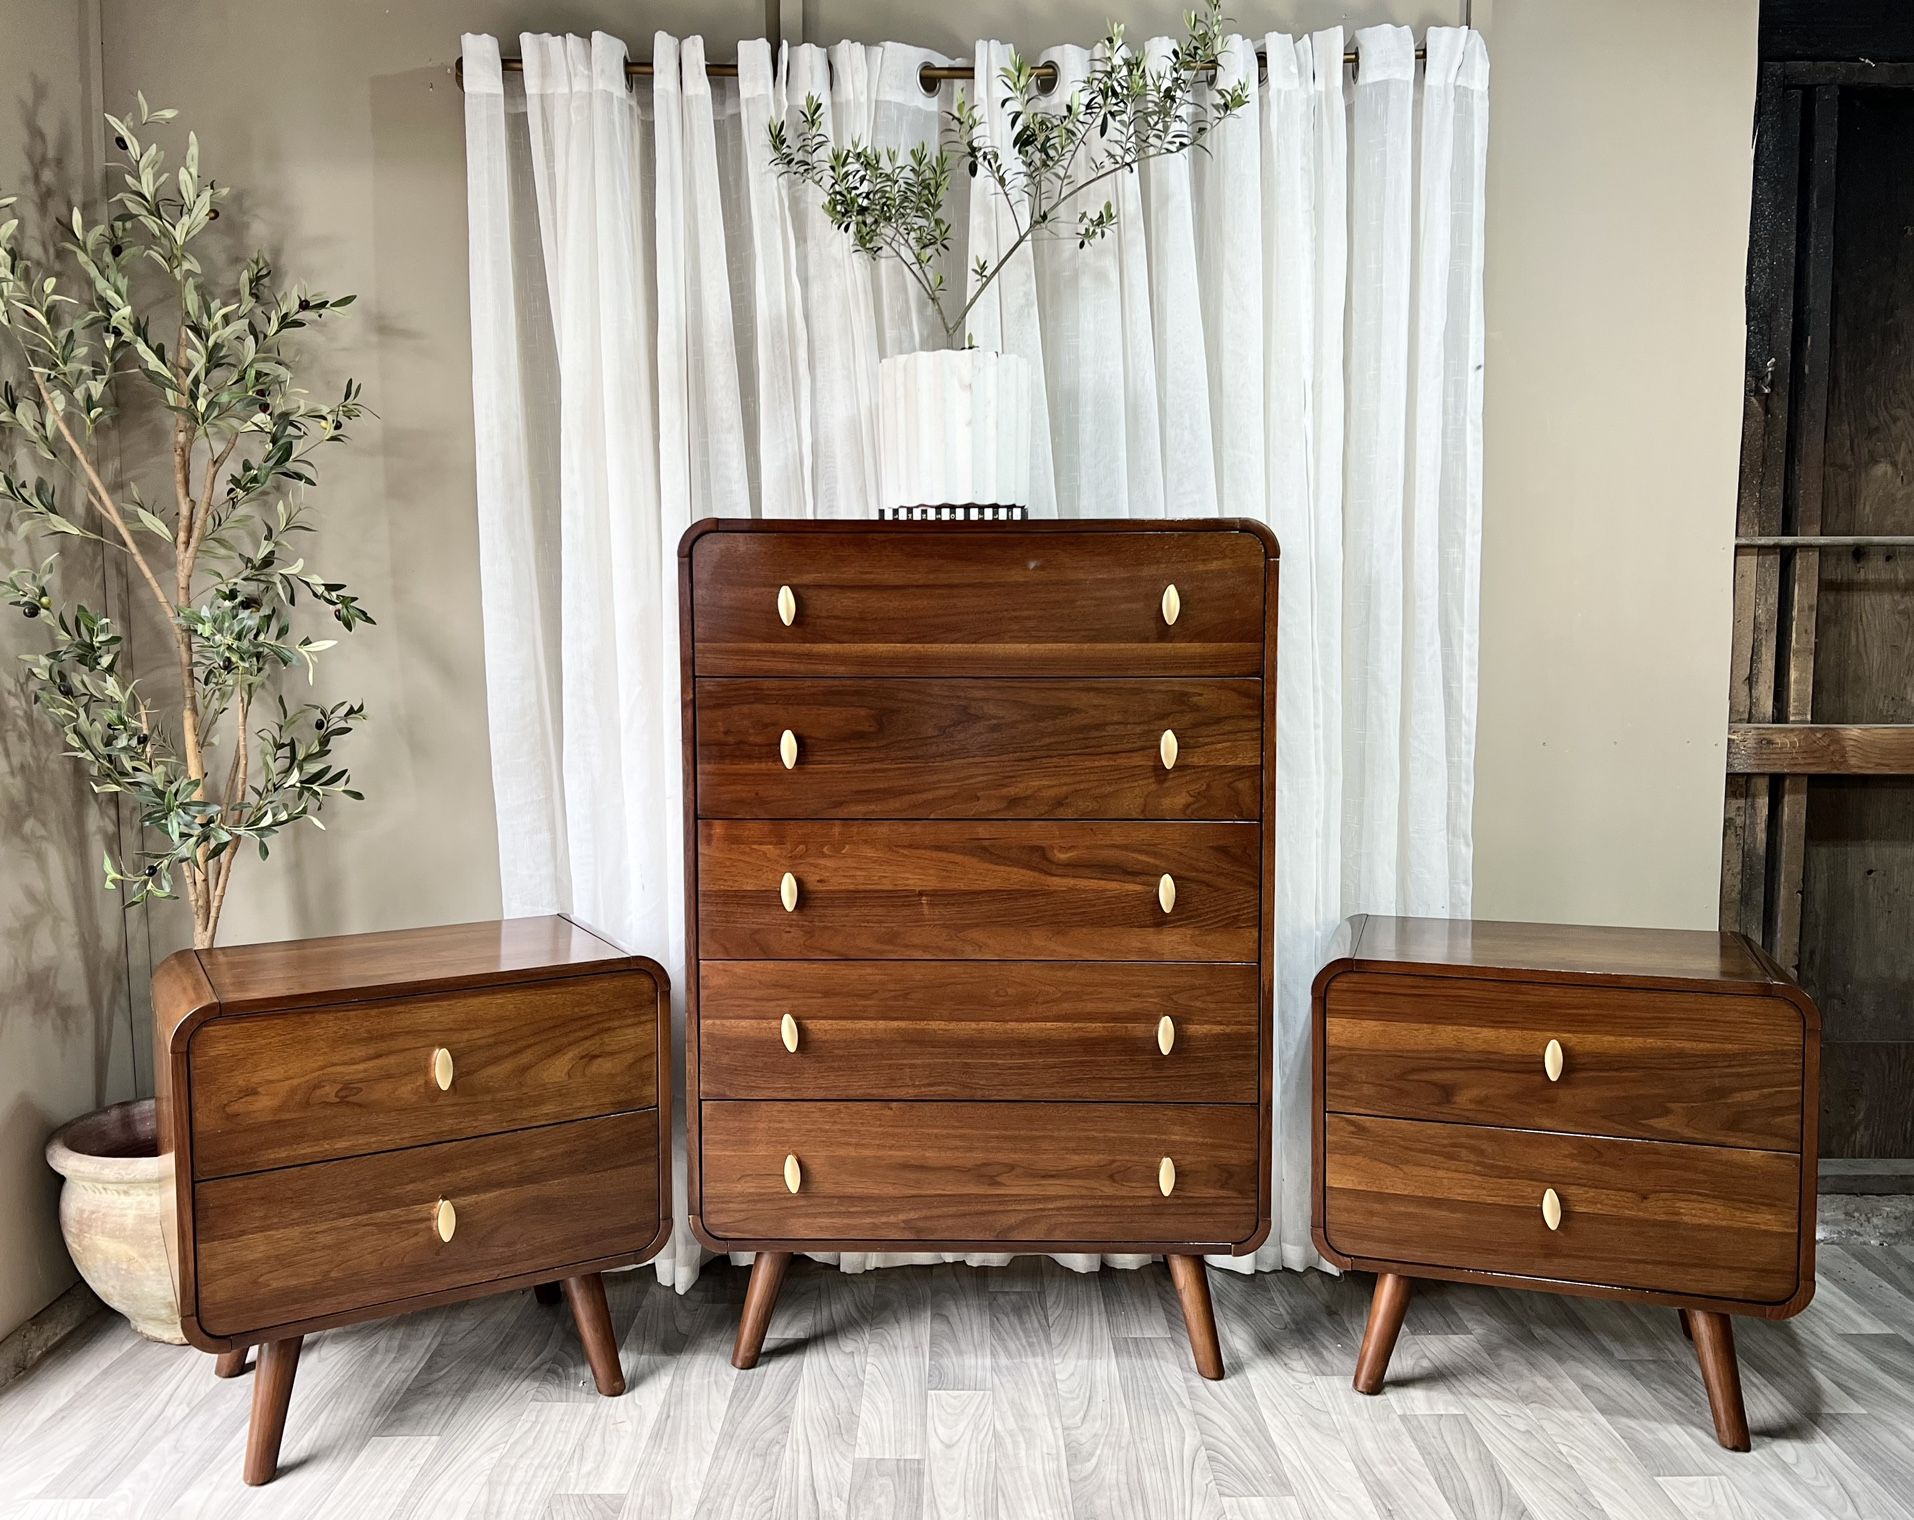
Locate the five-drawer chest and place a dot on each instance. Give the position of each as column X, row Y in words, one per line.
column 374, row 1123
column 979, row 858
column 1624, row 1113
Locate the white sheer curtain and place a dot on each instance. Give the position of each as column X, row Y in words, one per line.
column 1287, row 327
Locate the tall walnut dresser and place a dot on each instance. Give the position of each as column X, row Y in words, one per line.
column 1619, row 1113
column 374, row 1123
column 979, row 856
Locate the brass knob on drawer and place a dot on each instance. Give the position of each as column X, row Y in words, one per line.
column 1165, row 1033
column 442, row 1068
column 788, row 1032
column 788, row 892
column 788, row 749
column 787, row 606
column 1166, row 747
column 445, row 1219
column 1172, row 604
column 1552, row 1060
column 1166, row 1177
column 793, row 1176
column 1166, row 891
column 1551, row 1209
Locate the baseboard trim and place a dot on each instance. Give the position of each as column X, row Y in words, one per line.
column 47, row 1329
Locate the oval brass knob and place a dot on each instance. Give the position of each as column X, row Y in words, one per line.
column 1551, row 1209
column 788, row 892
column 1552, row 1060
column 1172, row 604
column 442, row 1068
column 1166, row 891
column 1166, row 1177
column 445, row 1219
column 788, row 749
column 788, row 1032
column 1165, row 1033
column 793, row 1176
column 1166, row 747
column 787, row 606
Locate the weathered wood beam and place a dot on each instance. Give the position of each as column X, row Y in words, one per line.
column 1821, row 749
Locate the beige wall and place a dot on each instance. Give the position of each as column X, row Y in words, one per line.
column 64, row 1039
column 1617, row 218
column 1619, row 163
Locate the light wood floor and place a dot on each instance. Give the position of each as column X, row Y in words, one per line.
column 1026, row 1393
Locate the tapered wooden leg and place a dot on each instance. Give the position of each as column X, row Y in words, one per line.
column 547, row 1293
column 1687, row 1330
column 1386, row 1309
column 272, row 1392
column 231, row 1363
column 593, row 1317
column 760, row 1298
column 1721, row 1376
column 1199, row 1315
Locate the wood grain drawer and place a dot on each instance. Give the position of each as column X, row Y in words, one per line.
column 276, row 1089
column 952, row 891
column 339, row 1236
column 1662, row 1217
column 980, row 749
column 1083, row 1173
column 965, row 1029
column 1723, row 1069
column 979, row 601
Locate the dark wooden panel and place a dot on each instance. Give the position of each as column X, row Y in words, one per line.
column 1480, row 947
column 953, row 891
column 965, row 1029
column 978, row 601
column 1635, row 1213
column 1820, row 749
column 275, row 1089
column 334, row 1237
column 1864, row 1103
column 1643, row 1064
column 1872, row 30
column 1021, row 748
column 1015, row 1172
column 1857, row 901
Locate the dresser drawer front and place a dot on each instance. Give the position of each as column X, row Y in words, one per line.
column 980, row 749
column 1020, row 1173
column 1721, row 1069
column 960, row 1029
column 340, row 1236
column 978, row 601
column 956, row 891
column 1656, row 1216
column 278, row 1089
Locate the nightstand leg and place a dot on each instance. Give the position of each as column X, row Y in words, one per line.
column 760, row 1298
column 547, row 1293
column 272, row 1392
column 1199, row 1315
column 1687, row 1330
column 1721, row 1375
column 593, row 1317
column 1386, row 1309
column 231, row 1363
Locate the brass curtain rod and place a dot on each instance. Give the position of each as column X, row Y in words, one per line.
column 929, row 76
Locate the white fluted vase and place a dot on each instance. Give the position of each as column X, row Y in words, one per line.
column 953, row 427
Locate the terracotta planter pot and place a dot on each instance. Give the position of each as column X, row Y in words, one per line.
column 113, row 1212
column 953, row 428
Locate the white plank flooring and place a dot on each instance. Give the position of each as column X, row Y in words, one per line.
column 1025, row 1393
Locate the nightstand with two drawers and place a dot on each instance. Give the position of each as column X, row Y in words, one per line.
column 1622, row 1113
column 376, row 1123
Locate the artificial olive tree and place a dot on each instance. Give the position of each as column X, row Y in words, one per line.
column 128, row 316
